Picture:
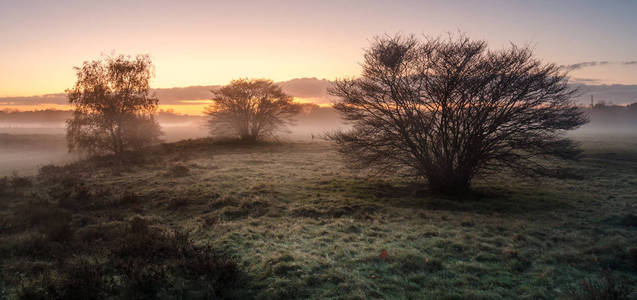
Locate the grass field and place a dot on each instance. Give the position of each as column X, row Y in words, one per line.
column 300, row 225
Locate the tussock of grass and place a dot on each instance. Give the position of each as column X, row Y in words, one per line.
column 178, row 171
column 605, row 288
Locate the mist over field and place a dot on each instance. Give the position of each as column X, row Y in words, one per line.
column 29, row 140
column 340, row 150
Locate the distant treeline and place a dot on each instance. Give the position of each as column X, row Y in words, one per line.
column 60, row 116
column 312, row 115
column 39, row 116
column 315, row 90
column 605, row 114
column 30, row 141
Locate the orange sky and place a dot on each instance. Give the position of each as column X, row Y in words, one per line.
column 195, row 107
column 198, row 107
column 213, row 42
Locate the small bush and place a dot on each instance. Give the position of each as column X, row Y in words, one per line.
column 234, row 213
column 218, row 275
column 219, row 203
column 71, row 196
column 177, row 203
column 80, row 280
column 178, row 171
column 143, row 246
column 110, row 199
column 9, row 185
column 58, row 231
column 36, row 212
column 510, row 253
column 607, row 288
column 629, row 220
column 413, row 264
column 134, row 260
column 520, row 265
column 43, row 289
column 139, row 241
column 70, row 189
column 51, row 221
column 50, row 171
column 84, row 280
column 19, row 182
column 4, row 185
column 128, row 198
column 32, row 245
column 631, row 257
column 102, row 233
column 143, row 281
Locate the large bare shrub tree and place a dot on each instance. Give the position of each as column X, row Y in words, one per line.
column 447, row 110
column 250, row 109
column 113, row 106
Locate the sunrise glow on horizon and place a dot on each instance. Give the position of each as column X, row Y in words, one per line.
column 318, row 149
column 189, row 107
column 212, row 42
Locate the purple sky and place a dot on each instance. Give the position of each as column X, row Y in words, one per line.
column 212, row 42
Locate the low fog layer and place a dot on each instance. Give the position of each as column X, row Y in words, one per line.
column 29, row 140
column 32, row 139
column 24, row 151
column 312, row 120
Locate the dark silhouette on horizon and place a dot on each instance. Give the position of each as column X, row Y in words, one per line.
column 114, row 108
column 250, row 110
column 448, row 110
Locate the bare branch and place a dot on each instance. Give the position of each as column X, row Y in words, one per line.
column 448, row 110
column 250, row 109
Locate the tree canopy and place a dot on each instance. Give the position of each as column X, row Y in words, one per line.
column 250, row 109
column 113, row 106
column 446, row 110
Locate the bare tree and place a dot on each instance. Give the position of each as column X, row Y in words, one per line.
column 113, row 106
column 447, row 110
column 250, row 109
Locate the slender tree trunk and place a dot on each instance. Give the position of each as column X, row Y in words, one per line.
column 113, row 139
column 119, row 138
column 449, row 184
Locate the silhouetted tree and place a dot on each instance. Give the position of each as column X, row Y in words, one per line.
column 447, row 110
column 113, row 106
column 250, row 109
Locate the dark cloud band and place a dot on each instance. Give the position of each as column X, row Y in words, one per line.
column 587, row 64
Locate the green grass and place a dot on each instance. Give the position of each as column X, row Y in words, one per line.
column 302, row 225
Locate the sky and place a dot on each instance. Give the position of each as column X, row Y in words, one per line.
column 213, row 42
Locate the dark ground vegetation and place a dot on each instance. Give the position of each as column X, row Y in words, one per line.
column 204, row 219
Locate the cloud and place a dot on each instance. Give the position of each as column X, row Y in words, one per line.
column 584, row 80
column 308, row 88
column 588, row 64
column 585, row 65
column 315, row 90
column 34, row 100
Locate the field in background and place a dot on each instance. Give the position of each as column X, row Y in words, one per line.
column 24, row 150
column 26, row 144
column 302, row 225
